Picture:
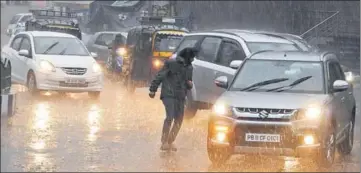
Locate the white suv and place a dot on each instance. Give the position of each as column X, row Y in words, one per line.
column 220, row 54
column 53, row 61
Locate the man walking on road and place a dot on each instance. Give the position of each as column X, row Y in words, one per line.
column 176, row 79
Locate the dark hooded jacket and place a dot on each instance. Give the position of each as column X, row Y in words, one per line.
column 174, row 76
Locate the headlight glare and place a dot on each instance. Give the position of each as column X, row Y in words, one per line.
column 121, row 51
column 47, row 66
column 349, row 77
column 221, row 109
column 96, row 68
column 313, row 113
column 157, row 63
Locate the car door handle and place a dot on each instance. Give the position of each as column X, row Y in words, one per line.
column 343, row 99
column 350, row 93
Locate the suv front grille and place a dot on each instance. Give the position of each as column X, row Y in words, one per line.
column 270, row 111
column 276, row 115
column 74, row 71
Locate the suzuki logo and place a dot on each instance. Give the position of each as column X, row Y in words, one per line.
column 263, row 114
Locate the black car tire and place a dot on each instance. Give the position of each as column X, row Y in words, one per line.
column 31, row 84
column 345, row 147
column 219, row 155
column 327, row 151
column 94, row 94
column 190, row 107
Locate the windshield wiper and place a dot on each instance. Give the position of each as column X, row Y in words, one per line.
column 50, row 47
column 62, row 52
column 263, row 83
column 294, row 83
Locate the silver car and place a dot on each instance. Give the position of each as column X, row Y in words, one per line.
column 100, row 42
column 284, row 103
column 219, row 54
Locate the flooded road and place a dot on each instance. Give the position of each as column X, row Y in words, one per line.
column 120, row 133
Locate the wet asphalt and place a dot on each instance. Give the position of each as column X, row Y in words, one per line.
column 120, row 132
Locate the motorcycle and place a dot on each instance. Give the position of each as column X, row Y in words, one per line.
column 115, row 66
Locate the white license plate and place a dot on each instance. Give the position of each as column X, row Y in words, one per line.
column 75, row 81
column 255, row 137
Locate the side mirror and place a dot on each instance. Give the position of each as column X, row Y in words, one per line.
column 221, row 82
column 25, row 53
column 94, row 55
column 340, row 85
column 349, row 77
column 235, row 64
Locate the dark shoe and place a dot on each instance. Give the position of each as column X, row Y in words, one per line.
column 164, row 147
column 172, row 147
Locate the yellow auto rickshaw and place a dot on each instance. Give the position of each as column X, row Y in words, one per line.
column 148, row 46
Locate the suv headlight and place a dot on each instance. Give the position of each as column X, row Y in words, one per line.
column 47, row 66
column 221, row 109
column 96, row 68
column 310, row 113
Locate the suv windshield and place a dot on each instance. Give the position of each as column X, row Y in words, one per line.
column 59, row 46
column 260, row 46
column 15, row 19
column 166, row 43
column 280, row 76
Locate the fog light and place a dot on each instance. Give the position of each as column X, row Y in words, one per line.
column 221, row 137
column 309, row 140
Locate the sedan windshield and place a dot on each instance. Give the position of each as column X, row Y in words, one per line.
column 280, row 76
column 59, row 46
column 261, row 46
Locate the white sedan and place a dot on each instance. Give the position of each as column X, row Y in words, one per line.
column 52, row 61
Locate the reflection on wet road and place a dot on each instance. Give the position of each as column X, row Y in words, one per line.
column 120, row 133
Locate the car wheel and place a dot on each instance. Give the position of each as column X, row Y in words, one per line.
column 94, row 94
column 31, row 84
column 190, row 107
column 345, row 147
column 219, row 155
column 327, row 152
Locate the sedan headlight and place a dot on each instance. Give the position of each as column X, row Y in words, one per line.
column 221, row 109
column 96, row 68
column 47, row 66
